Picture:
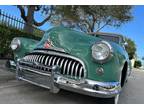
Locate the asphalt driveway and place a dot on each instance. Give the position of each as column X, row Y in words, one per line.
column 19, row 92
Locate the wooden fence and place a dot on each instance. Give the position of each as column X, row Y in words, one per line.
column 17, row 23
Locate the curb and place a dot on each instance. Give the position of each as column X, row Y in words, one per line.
column 138, row 69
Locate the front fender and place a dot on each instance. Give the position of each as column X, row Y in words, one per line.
column 112, row 68
column 27, row 45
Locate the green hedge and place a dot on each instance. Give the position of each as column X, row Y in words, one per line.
column 137, row 64
column 7, row 34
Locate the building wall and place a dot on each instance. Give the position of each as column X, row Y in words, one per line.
column 132, row 62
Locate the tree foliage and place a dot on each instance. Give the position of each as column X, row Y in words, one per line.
column 85, row 18
column 7, row 34
column 92, row 18
column 131, row 48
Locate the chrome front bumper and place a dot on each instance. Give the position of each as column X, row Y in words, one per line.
column 54, row 81
column 11, row 65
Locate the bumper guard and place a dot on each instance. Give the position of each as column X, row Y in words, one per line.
column 57, row 82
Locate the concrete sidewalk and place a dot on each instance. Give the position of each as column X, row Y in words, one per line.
column 138, row 70
column 5, row 75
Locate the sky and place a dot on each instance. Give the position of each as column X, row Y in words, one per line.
column 133, row 29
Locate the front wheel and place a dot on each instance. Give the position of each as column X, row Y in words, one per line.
column 113, row 100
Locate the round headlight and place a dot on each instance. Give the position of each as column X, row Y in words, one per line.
column 101, row 51
column 15, row 44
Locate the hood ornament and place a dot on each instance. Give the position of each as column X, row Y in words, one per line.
column 48, row 44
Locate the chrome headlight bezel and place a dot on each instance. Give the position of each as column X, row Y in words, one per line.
column 15, row 44
column 108, row 48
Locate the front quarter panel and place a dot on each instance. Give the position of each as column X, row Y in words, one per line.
column 27, row 45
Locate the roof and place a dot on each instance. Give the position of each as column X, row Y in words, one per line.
column 104, row 33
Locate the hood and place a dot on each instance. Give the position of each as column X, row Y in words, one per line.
column 73, row 42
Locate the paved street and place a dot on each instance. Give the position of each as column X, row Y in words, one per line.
column 19, row 92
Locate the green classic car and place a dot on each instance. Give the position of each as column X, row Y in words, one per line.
column 95, row 64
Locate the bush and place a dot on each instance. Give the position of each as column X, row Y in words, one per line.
column 6, row 36
column 137, row 64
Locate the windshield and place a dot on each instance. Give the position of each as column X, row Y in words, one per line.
column 110, row 38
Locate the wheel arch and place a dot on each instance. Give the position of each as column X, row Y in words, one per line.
column 124, row 73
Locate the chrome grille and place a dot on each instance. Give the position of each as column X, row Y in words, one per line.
column 69, row 66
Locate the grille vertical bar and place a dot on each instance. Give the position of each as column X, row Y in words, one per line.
column 69, row 67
